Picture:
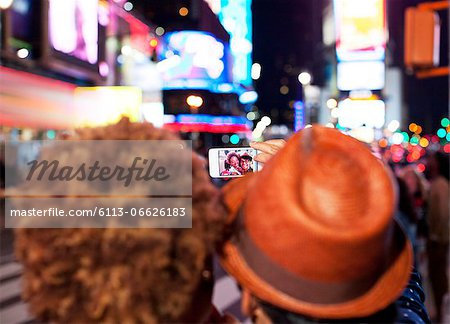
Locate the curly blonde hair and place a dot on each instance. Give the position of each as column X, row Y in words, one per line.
column 121, row 275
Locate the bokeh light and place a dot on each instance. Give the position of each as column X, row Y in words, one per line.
column 251, row 115
column 183, row 11
column 405, row 137
column 397, row 138
column 441, row 132
column 418, row 129
column 159, row 31
column 153, row 42
column 304, row 78
column 383, row 143
column 423, row 142
column 415, row 155
column 414, row 140
column 128, row 6
column 332, row 103
column 421, row 167
column 256, row 71
column 23, row 53
column 445, row 122
column 284, row 90
column 103, row 68
column 194, row 101
column 234, row 139
column 266, row 121
column 51, row 134
column 393, row 125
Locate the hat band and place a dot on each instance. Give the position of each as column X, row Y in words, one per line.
column 294, row 286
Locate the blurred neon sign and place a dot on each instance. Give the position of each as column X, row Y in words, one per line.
column 193, row 59
column 209, row 123
column 360, row 29
column 299, row 116
column 73, row 28
column 99, row 106
column 358, row 113
column 360, row 75
column 236, row 18
column 212, row 120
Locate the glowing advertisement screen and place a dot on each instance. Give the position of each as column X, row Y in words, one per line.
column 360, row 75
column 358, row 113
column 193, row 60
column 106, row 105
column 236, row 18
column 73, row 28
column 360, row 29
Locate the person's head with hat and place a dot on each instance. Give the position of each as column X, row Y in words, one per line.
column 313, row 234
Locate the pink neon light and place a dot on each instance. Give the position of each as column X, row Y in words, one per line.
column 207, row 128
column 73, row 28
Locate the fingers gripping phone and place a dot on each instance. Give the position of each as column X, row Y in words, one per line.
column 232, row 162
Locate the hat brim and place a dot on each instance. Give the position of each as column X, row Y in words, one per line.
column 381, row 294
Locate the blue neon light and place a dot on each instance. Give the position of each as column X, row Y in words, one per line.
column 212, row 120
column 194, row 60
column 236, row 18
column 299, row 116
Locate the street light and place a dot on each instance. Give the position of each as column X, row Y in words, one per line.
column 304, row 78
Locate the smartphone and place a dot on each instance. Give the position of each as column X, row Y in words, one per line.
column 230, row 162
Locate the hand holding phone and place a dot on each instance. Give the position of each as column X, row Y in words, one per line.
column 231, row 162
column 267, row 149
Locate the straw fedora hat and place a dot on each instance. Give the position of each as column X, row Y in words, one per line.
column 313, row 232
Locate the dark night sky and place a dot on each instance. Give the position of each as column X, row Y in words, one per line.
column 287, row 36
column 287, row 39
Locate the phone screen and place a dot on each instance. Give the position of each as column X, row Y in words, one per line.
column 232, row 162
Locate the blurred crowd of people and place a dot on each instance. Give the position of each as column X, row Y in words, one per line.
column 424, row 205
column 325, row 233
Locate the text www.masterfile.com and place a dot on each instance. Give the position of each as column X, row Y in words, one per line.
column 101, row 212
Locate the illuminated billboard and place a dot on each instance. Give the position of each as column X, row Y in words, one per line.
column 357, row 113
column 194, row 60
column 105, row 105
column 73, row 28
column 360, row 75
column 236, row 18
column 73, row 39
column 360, row 29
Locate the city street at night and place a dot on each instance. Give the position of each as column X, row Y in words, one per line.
column 224, row 161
